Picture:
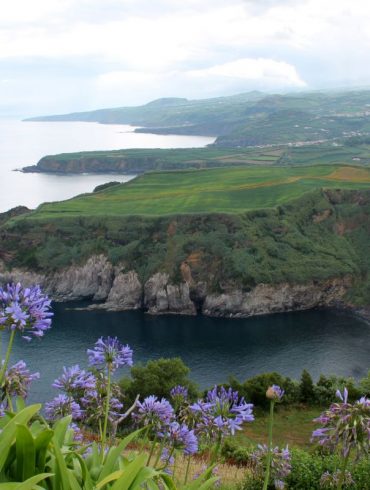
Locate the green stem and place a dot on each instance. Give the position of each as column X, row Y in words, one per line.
column 187, row 471
column 343, row 472
column 106, row 415
column 152, row 449
column 174, row 466
column 269, row 447
column 216, row 449
column 10, row 404
column 145, row 437
column 159, row 452
column 7, row 356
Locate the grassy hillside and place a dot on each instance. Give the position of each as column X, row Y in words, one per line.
column 233, row 228
column 207, row 191
column 247, row 119
column 349, row 151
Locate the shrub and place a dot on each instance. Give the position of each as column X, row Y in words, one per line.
column 256, row 387
column 157, row 378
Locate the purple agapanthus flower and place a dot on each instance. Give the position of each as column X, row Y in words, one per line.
column 109, row 352
column 25, row 309
column 74, row 379
column 17, row 380
column 221, row 413
column 274, row 392
column 61, row 406
column 280, row 464
column 77, row 432
column 331, row 480
column 2, row 410
column 158, row 413
column 93, row 403
column 345, row 426
column 167, row 460
column 180, row 437
column 179, row 391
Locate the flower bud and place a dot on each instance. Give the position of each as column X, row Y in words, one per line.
column 274, row 392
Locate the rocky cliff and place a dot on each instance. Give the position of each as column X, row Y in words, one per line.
column 116, row 289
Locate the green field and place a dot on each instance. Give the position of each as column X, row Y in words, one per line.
column 208, row 191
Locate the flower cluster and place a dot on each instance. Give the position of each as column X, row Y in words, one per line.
column 61, row 406
column 17, row 380
column 280, row 463
column 332, row 480
column 345, row 425
column 74, row 380
column 221, row 414
column 180, row 437
column 25, row 309
column 110, row 353
column 179, row 397
column 156, row 413
column 94, row 400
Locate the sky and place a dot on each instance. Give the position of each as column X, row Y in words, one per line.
column 59, row 56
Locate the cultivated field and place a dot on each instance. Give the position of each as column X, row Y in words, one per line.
column 204, row 191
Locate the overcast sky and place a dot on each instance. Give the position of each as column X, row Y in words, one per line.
column 68, row 55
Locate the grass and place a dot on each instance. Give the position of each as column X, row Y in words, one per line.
column 219, row 190
column 292, row 426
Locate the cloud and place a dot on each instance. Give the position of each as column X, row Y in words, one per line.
column 135, row 50
column 268, row 71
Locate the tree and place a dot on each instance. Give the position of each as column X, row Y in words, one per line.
column 157, row 378
column 306, row 387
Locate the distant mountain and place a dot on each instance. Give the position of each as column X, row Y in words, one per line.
column 249, row 119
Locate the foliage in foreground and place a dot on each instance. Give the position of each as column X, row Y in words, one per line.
column 54, row 454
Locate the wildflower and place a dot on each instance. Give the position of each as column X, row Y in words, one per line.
column 280, row 463
column 158, row 413
column 111, row 353
column 332, row 480
column 180, row 437
column 18, row 379
column 93, row 403
column 25, row 309
column 2, row 410
column 62, row 406
column 77, row 433
column 274, row 392
column 74, row 379
column 345, row 426
column 222, row 413
column 168, row 460
column 179, row 391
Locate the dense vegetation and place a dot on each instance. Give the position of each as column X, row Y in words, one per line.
column 320, row 235
column 248, row 119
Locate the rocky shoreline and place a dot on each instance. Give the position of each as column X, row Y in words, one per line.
column 117, row 289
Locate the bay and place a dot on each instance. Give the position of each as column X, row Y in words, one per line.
column 24, row 143
column 322, row 341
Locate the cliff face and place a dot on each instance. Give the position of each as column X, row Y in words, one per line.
column 99, row 280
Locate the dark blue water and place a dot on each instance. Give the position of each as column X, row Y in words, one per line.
column 328, row 342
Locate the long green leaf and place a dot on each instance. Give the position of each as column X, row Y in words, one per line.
column 65, row 478
column 25, row 453
column 42, row 442
column 113, row 476
column 115, row 453
column 32, row 482
column 7, row 435
column 86, row 478
column 130, row 473
column 146, row 474
column 60, row 429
